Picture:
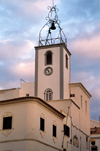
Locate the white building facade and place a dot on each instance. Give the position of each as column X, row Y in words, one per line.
column 51, row 114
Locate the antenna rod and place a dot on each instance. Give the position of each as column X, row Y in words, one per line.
column 53, row 2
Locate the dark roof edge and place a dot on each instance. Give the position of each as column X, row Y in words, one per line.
column 82, row 86
column 15, row 100
column 54, row 45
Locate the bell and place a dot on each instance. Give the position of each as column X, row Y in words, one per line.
column 53, row 26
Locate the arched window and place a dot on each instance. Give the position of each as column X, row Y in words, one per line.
column 48, row 94
column 66, row 61
column 48, row 57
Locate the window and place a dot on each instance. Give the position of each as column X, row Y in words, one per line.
column 72, row 95
column 48, row 94
column 66, row 130
column 54, row 130
column 66, row 61
column 86, row 141
column 48, row 57
column 85, row 106
column 81, row 101
column 42, row 121
column 7, row 122
column 27, row 95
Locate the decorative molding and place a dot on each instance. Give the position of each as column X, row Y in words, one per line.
column 75, row 141
column 29, row 139
column 32, row 99
column 42, row 115
column 7, row 114
column 54, row 139
column 42, row 133
column 7, row 131
column 53, row 45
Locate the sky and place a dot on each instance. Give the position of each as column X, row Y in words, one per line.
column 20, row 24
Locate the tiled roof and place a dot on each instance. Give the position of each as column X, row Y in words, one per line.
column 95, row 130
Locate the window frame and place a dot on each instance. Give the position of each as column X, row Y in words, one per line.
column 66, row 58
column 47, row 94
column 72, row 95
column 53, row 130
column 7, row 123
column 65, row 132
column 5, row 116
column 42, row 117
column 42, row 125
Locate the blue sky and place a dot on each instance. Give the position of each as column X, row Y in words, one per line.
column 20, row 23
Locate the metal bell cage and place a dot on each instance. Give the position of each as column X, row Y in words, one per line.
column 53, row 23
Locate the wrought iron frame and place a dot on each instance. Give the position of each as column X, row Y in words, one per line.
column 56, row 21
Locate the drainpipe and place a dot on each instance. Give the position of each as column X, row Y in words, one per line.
column 80, row 143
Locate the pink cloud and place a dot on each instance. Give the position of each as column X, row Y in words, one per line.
column 87, row 46
column 23, row 69
column 10, row 49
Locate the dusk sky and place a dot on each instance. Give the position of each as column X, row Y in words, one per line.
column 20, row 23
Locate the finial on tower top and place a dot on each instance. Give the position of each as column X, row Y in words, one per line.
column 53, row 3
column 52, row 29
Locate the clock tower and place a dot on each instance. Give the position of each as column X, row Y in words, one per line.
column 52, row 61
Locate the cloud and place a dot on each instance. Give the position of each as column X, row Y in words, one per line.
column 11, row 49
column 16, row 61
column 87, row 47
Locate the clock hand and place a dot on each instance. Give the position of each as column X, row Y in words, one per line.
column 48, row 70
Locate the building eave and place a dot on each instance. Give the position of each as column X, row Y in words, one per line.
column 82, row 87
column 34, row 99
column 5, row 90
column 53, row 45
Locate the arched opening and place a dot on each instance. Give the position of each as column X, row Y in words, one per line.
column 66, row 61
column 48, row 57
column 48, row 94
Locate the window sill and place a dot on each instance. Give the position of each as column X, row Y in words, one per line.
column 6, row 132
column 54, row 139
column 42, row 133
column 67, row 136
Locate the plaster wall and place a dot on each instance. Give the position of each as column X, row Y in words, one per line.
column 66, row 78
column 28, row 88
column 11, row 94
column 80, row 122
column 25, row 133
column 44, row 81
column 84, row 115
column 78, row 93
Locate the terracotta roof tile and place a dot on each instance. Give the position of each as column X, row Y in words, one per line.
column 93, row 131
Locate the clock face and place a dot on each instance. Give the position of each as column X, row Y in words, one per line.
column 48, row 71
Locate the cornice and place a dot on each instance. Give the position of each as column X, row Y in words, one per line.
column 52, row 46
column 82, row 87
column 33, row 99
column 30, row 139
